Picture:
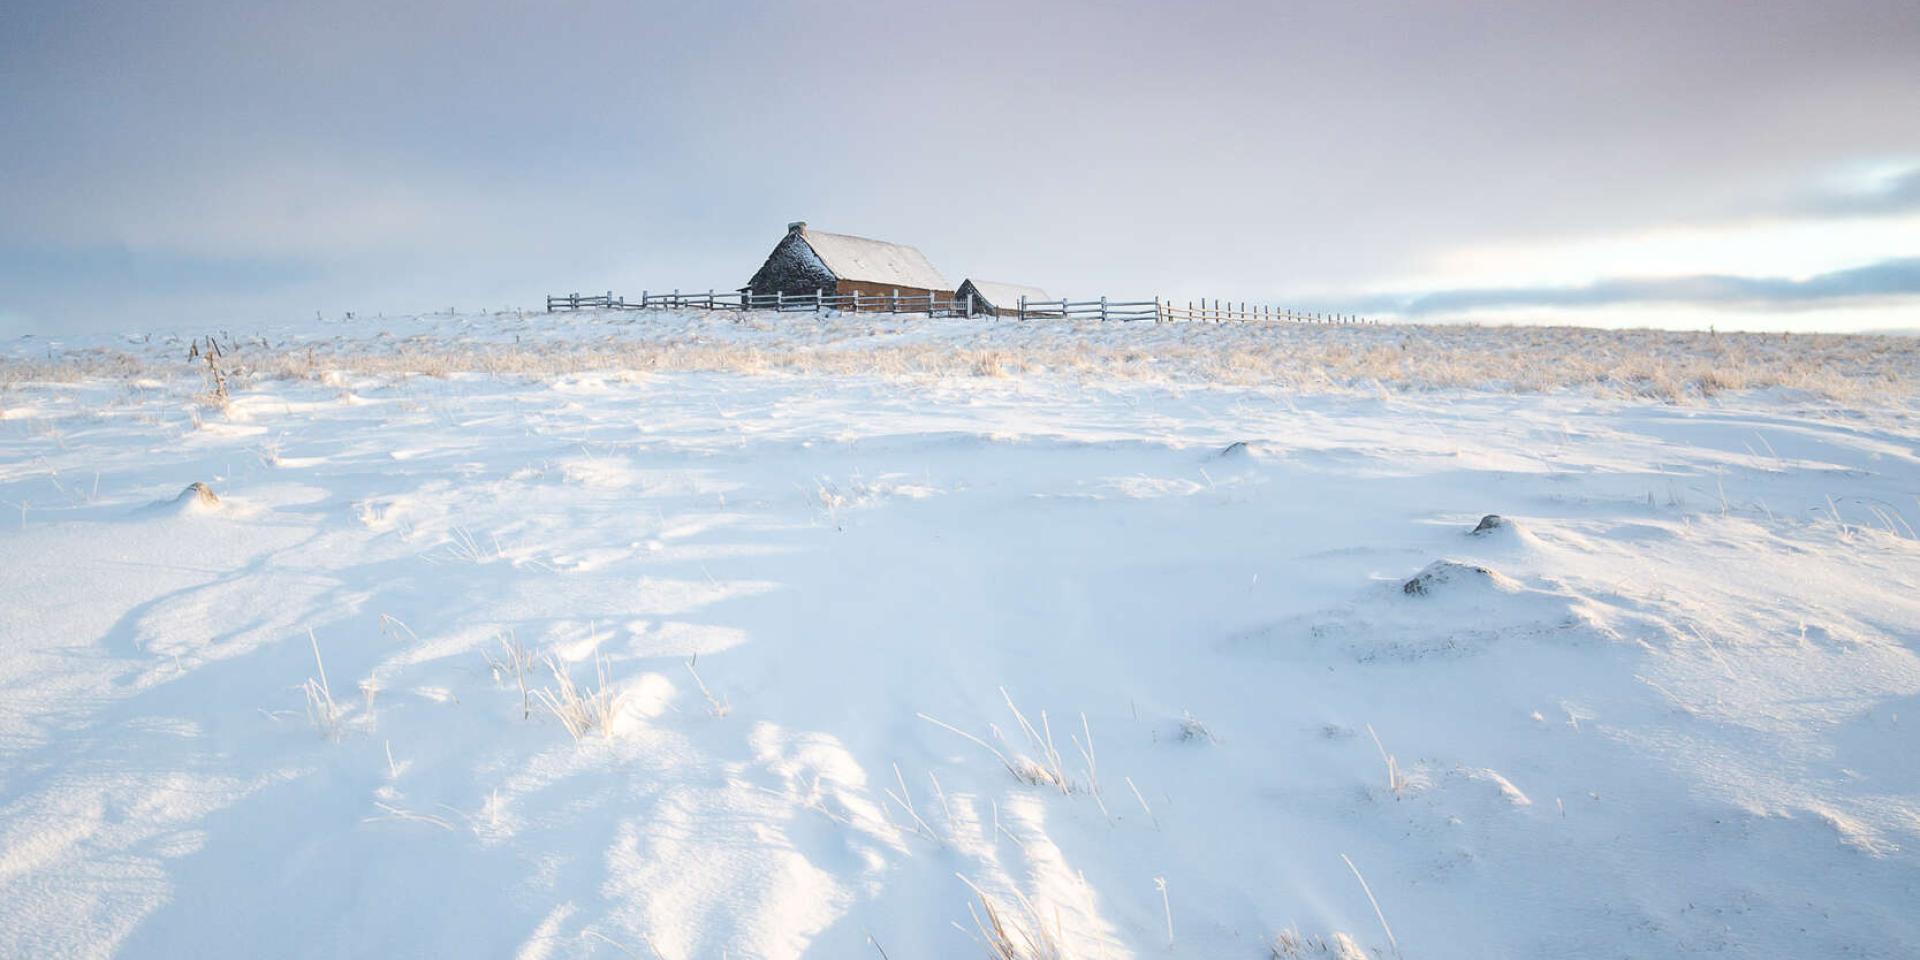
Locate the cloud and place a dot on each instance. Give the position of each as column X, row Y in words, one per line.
column 1890, row 193
column 1895, row 278
column 85, row 272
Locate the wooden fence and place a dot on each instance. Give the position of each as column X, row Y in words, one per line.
column 947, row 305
column 932, row 304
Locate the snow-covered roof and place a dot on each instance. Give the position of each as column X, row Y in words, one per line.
column 1006, row 294
column 874, row 261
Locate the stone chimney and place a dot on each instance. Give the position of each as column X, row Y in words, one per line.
column 798, row 226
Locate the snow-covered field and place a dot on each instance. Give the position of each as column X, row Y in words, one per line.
column 673, row 636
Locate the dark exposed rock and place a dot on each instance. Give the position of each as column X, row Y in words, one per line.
column 1238, row 448
column 1488, row 524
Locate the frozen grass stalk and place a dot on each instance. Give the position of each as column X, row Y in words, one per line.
column 905, row 801
column 1143, row 802
column 715, row 706
column 320, row 706
column 1160, row 884
column 1049, row 769
column 1382, row 917
column 517, row 660
column 1394, row 781
column 1093, row 773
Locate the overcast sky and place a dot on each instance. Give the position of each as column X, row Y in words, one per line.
column 1750, row 164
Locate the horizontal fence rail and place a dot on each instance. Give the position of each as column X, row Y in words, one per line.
column 1157, row 310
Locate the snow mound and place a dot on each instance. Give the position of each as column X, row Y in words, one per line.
column 1453, row 576
column 1449, row 609
column 1495, row 532
column 196, row 498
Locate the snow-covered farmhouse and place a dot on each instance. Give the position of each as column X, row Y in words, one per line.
column 992, row 296
column 806, row 261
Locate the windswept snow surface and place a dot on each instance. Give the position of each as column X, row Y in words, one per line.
column 1131, row 658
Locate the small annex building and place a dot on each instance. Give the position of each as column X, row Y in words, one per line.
column 992, row 296
column 806, row 261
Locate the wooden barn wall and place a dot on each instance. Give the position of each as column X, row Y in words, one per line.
column 866, row 289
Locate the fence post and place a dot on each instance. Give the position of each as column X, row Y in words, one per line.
column 969, row 306
column 1103, row 309
column 816, row 300
column 893, row 305
column 1023, row 307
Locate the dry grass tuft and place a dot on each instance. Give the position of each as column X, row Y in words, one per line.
column 588, row 711
column 1290, row 944
column 1666, row 366
column 1018, row 932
